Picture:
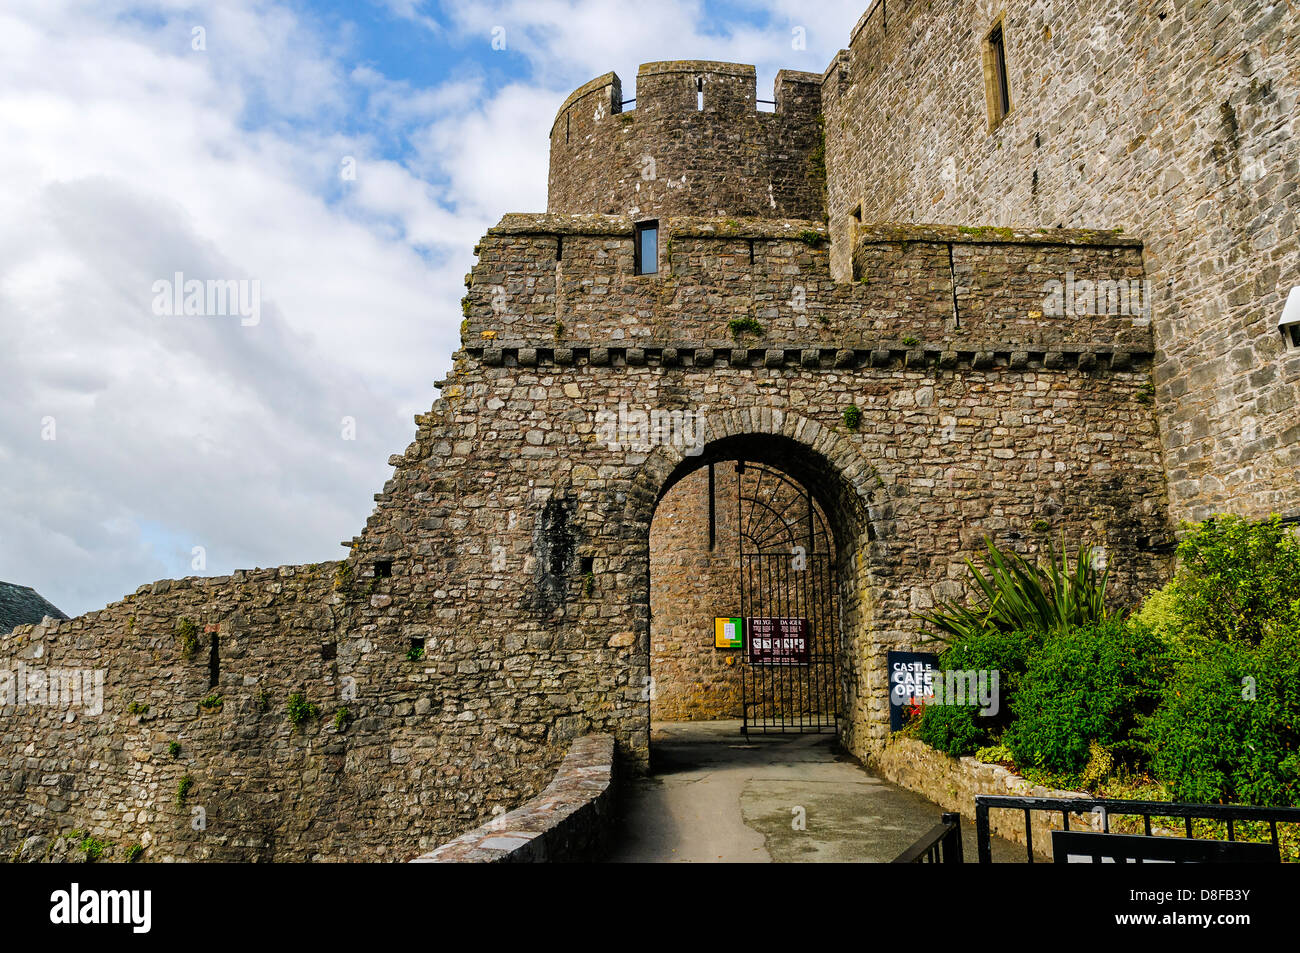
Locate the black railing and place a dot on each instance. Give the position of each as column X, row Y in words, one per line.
column 1232, row 814
column 1141, row 849
column 940, row 845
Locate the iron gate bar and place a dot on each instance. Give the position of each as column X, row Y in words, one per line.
column 1148, row 809
column 785, row 694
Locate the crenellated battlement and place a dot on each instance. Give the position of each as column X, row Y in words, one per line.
column 692, row 142
column 559, row 283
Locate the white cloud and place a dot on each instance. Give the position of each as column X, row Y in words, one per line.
column 129, row 156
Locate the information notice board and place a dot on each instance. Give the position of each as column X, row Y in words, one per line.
column 779, row 641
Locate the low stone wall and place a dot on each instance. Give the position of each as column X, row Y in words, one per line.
column 569, row 821
column 953, row 783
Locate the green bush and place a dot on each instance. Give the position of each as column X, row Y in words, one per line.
column 1159, row 613
column 1083, row 686
column 1237, row 580
column 1228, row 726
column 959, row 730
column 952, row 729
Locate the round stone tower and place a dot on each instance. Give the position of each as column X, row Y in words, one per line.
column 693, row 142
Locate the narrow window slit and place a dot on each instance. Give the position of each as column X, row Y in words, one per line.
column 645, row 250
column 214, row 661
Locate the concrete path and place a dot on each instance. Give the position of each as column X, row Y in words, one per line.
column 716, row 797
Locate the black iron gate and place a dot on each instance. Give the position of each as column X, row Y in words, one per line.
column 789, row 672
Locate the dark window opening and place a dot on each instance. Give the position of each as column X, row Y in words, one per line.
column 1293, row 334
column 751, row 251
column 646, row 248
column 713, row 511
column 383, row 568
column 699, row 93
column 559, row 247
column 587, row 564
column 566, row 127
column 329, row 651
column 214, row 661
column 416, row 651
column 857, row 213
column 997, row 68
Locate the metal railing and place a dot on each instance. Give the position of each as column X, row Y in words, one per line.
column 940, row 845
column 1232, row 814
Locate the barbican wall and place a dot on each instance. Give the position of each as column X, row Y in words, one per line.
column 1171, row 119
column 512, row 543
column 245, row 782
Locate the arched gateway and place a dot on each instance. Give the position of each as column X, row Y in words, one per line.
column 497, row 603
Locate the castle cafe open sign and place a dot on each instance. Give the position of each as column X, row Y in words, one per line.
column 779, row 641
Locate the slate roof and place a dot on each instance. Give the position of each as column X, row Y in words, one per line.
column 23, row 604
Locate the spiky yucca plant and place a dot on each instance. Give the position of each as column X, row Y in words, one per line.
column 1015, row 595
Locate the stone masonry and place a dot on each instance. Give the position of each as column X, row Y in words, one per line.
column 497, row 604
column 1171, row 119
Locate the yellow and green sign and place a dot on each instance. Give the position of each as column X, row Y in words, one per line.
column 729, row 633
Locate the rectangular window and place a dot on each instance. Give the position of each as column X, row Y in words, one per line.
column 646, row 248
column 998, row 88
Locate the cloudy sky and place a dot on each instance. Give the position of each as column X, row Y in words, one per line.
column 337, row 161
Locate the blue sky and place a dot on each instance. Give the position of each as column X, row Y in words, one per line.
column 149, row 138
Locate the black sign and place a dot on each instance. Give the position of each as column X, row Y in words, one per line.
column 910, row 675
column 778, row 641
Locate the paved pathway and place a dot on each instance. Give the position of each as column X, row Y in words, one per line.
column 715, row 796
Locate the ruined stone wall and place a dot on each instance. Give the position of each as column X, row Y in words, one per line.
column 514, row 535
column 410, row 761
column 1171, row 119
column 666, row 156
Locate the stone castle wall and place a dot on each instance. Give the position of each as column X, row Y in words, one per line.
column 667, row 156
column 382, row 783
column 1171, row 120
column 514, row 535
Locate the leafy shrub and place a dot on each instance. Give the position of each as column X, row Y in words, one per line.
column 959, row 730
column 995, row 754
column 1238, row 580
column 1084, row 685
column 952, row 729
column 1159, row 613
column 1228, row 727
column 1015, row 595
